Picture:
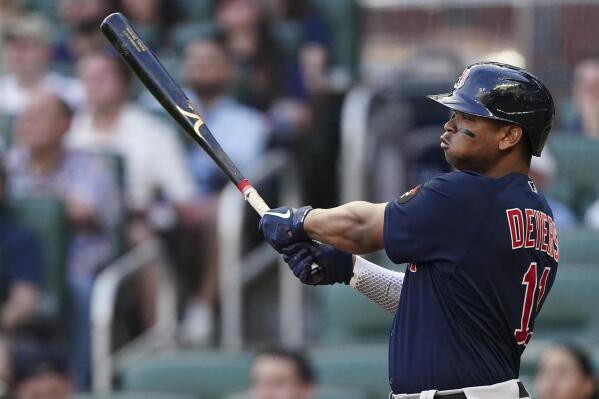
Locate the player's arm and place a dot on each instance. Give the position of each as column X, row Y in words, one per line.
column 355, row 227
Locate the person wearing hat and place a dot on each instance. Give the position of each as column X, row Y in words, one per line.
column 27, row 58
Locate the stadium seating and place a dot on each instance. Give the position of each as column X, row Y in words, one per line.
column 579, row 245
column 135, row 395
column 46, row 7
column 362, row 369
column 570, row 311
column 185, row 32
column 322, row 392
column 342, row 18
column 7, row 123
column 47, row 218
column 576, row 156
column 206, row 374
column 196, row 10
column 347, row 316
column 363, row 366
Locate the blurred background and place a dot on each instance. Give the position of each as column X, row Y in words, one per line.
column 129, row 268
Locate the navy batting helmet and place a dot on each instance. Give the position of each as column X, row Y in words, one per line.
column 505, row 93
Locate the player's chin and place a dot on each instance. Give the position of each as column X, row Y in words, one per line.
column 454, row 159
column 449, row 155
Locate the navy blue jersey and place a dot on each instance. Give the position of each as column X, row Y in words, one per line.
column 482, row 256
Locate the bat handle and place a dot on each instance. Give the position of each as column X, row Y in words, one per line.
column 260, row 206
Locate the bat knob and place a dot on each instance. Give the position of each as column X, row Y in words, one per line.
column 316, row 275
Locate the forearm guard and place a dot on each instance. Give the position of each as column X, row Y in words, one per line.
column 380, row 285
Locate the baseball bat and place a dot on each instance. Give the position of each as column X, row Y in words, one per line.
column 146, row 65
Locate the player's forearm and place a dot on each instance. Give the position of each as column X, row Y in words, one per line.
column 355, row 227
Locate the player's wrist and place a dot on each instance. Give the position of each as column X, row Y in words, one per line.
column 299, row 224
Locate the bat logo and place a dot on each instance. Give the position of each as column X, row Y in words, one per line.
column 196, row 117
column 135, row 41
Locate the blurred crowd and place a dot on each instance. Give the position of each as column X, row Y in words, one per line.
column 77, row 127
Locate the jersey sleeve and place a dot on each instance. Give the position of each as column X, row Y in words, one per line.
column 435, row 222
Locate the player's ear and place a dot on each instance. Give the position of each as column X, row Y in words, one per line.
column 510, row 136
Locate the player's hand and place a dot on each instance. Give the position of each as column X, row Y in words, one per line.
column 337, row 266
column 284, row 226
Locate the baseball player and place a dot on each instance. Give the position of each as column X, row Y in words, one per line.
column 480, row 244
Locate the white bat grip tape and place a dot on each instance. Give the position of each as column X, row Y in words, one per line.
column 255, row 200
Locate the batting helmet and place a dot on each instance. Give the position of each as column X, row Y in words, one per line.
column 505, row 93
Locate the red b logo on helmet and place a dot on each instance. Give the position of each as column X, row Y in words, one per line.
column 462, row 79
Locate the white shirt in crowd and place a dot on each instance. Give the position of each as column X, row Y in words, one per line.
column 241, row 131
column 153, row 155
column 14, row 98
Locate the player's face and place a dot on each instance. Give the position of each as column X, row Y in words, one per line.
column 470, row 142
column 277, row 378
column 560, row 377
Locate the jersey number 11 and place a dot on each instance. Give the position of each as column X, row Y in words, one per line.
column 530, row 281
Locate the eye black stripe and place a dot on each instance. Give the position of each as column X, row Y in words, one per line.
column 467, row 132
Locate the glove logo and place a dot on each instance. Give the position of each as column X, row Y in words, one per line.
column 285, row 215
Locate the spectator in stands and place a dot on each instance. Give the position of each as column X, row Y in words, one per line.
column 254, row 51
column 159, row 189
column 584, row 118
column 566, row 372
column 21, row 272
column 242, row 132
column 28, row 52
column 152, row 18
column 306, row 65
column 9, row 9
column 282, row 374
column 40, row 372
column 153, row 155
column 40, row 166
column 79, row 22
column 542, row 172
column 6, row 367
column 73, row 13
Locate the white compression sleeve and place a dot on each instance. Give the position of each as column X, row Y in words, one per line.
column 380, row 285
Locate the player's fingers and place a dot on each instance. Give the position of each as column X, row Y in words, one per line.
column 294, row 248
column 304, row 270
column 299, row 263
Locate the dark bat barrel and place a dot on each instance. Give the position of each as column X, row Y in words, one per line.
column 144, row 63
column 142, row 60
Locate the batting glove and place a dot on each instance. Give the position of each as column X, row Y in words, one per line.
column 337, row 266
column 284, row 226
